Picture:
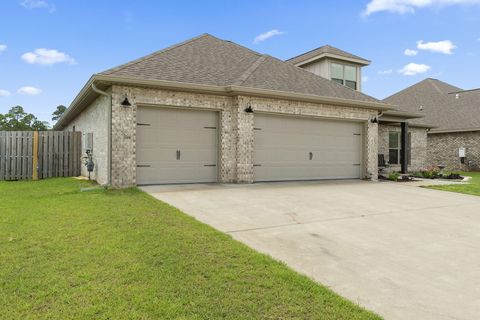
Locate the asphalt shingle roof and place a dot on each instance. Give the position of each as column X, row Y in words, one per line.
column 212, row 61
column 323, row 50
column 443, row 105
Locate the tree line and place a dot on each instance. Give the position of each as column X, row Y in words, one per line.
column 16, row 119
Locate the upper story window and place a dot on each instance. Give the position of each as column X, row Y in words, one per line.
column 344, row 74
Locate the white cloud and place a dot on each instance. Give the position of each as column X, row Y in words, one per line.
column 384, row 72
column 3, row 47
column 37, row 4
column 30, row 91
column 364, row 79
column 47, row 57
column 410, row 52
column 409, row 6
column 267, row 35
column 445, row 46
column 4, row 93
column 412, row 69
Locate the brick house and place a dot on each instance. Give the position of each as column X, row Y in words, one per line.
column 210, row 110
column 453, row 113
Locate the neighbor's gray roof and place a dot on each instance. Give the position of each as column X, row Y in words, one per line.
column 211, row 61
column 441, row 105
column 327, row 49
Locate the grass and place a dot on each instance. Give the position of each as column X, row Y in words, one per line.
column 473, row 187
column 120, row 254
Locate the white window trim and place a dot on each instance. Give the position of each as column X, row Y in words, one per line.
column 399, row 148
column 358, row 71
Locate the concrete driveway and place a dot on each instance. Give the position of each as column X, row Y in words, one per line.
column 399, row 250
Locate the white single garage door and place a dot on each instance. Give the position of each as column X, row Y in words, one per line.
column 176, row 146
column 297, row 148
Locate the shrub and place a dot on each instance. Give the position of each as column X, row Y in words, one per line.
column 393, row 176
column 431, row 173
column 427, row 174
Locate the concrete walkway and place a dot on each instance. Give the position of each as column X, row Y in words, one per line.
column 399, row 250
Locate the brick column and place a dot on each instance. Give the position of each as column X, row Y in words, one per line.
column 124, row 121
column 228, row 145
column 244, row 150
column 371, row 151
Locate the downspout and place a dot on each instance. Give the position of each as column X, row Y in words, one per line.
column 109, row 129
column 380, row 114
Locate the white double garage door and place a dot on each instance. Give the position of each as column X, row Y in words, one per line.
column 181, row 146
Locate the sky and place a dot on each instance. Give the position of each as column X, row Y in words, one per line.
column 50, row 48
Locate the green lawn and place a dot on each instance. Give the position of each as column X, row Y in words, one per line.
column 111, row 254
column 471, row 188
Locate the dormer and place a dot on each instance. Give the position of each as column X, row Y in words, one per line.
column 333, row 64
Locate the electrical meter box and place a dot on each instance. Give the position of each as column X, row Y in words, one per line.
column 461, row 152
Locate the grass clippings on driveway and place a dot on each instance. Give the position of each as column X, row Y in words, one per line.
column 472, row 187
column 120, row 254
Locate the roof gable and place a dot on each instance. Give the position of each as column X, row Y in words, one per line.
column 326, row 50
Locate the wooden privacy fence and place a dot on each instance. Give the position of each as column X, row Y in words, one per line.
column 37, row 155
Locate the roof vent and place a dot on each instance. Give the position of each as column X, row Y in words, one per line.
column 457, row 95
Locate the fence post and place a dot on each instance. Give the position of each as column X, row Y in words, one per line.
column 35, row 156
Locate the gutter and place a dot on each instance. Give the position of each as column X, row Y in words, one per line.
column 454, row 130
column 74, row 105
column 403, row 114
column 361, row 62
column 239, row 90
column 109, row 129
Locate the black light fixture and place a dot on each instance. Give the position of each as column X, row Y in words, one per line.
column 125, row 103
column 249, row 109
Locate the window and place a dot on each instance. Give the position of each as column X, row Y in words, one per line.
column 337, row 72
column 351, row 77
column 344, row 74
column 394, row 147
column 89, row 141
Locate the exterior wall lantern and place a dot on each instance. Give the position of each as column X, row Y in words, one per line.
column 125, row 103
column 249, row 109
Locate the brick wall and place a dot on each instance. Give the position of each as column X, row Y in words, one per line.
column 443, row 150
column 236, row 128
column 418, row 151
column 94, row 120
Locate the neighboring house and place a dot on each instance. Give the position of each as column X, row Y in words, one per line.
column 454, row 141
column 210, row 110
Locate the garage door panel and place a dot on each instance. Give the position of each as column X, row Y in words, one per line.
column 283, row 146
column 296, row 140
column 304, row 173
column 171, row 136
column 169, row 117
column 176, row 146
column 174, row 175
